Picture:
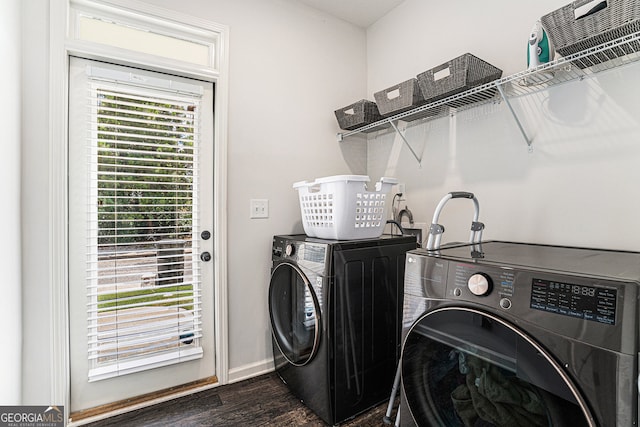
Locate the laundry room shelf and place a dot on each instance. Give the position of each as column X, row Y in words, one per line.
column 584, row 64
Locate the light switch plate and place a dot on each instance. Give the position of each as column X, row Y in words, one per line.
column 259, row 208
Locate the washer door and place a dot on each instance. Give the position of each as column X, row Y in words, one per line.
column 463, row 367
column 295, row 314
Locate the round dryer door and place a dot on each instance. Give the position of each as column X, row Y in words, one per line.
column 295, row 314
column 463, row 367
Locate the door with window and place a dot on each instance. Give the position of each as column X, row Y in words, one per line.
column 141, row 294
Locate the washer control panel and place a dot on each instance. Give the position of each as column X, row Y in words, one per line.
column 597, row 309
column 474, row 282
column 495, row 287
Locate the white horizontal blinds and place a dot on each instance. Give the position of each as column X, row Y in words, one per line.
column 143, row 276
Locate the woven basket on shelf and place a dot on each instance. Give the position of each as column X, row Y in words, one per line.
column 610, row 20
column 358, row 114
column 403, row 97
column 458, row 75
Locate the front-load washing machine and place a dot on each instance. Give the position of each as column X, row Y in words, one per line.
column 514, row 334
column 336, row 311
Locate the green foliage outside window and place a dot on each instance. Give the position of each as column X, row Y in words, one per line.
column 145, row 170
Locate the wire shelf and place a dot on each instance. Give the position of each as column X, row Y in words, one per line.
column 611, row 54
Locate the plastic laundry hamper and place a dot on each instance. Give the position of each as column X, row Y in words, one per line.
column 340, row 207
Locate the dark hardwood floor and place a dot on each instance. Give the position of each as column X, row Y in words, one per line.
column 260, row 401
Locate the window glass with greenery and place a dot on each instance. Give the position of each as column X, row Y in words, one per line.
column 143, row 278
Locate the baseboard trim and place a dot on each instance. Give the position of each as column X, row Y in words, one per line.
column 250, row 370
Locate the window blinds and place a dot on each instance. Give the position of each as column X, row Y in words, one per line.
column 143, row 276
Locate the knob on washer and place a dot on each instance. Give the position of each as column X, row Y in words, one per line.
column 479, row 284
column 289, row 249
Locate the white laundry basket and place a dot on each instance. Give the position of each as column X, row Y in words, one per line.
column 340, row 207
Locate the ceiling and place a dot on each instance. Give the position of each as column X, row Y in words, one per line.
column 362, row 13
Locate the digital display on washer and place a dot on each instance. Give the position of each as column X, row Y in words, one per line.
column 314, row 253
column 583, row 302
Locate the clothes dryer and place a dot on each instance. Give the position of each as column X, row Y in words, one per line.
column 336, row 311
column 514, row 334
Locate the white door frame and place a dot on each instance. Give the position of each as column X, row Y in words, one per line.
column 61, row 47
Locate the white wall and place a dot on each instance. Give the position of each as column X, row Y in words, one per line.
column 290, row 67
column 36, row 375
column 10, row 303
column 578, row 185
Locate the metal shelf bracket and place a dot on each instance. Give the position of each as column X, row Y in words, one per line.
column 527, row 139
column 406, row 143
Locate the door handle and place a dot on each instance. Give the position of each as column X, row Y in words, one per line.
column 206, row 235
column 205, row 256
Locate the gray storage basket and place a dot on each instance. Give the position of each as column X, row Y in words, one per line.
column 570, row 35
column 458, row 75
column 403, row 97
column 358, row 114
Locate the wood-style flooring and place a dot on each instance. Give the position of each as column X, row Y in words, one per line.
column 260, row 401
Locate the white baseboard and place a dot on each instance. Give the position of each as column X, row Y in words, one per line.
column 249, row 371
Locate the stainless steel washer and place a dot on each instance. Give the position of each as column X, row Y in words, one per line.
column 515, row 334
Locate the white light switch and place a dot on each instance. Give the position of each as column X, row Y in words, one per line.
column 259, row 208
